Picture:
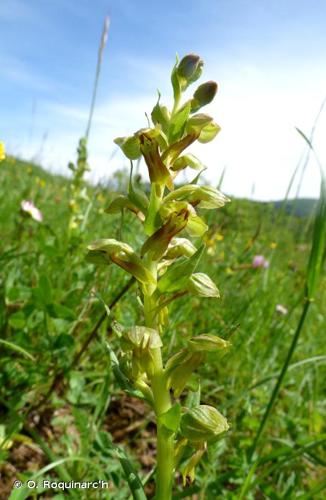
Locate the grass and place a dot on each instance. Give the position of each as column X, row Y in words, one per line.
column 51, row 305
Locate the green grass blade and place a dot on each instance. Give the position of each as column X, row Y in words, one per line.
column 17, row 348
column 313, row 274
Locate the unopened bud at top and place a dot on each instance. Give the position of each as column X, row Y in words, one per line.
column 189, row 69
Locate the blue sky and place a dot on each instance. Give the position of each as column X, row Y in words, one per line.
column 267, row 56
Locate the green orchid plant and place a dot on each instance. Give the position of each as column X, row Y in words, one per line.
column 78, row 196
column 165, row 269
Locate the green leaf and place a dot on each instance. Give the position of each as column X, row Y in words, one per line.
column 178, row 122
column 177, row 276
column 152, row 221
column 16, row 348
column 160, row 115
column 43, row 292
column 17, row 320
column 105, row 442
column 171, row 418
column 317, row 254
column 176, row 81
column 61, row 311
column 137, row 196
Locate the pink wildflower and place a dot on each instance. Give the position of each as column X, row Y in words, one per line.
column 259, row 261
column 29, row 208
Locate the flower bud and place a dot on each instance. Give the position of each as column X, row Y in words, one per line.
column 189, row 70
column 202, row 423
column 204, row 94
column 201, row 284
column 207, row 342
column 189, row 66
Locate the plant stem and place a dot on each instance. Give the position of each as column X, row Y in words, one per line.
column 162, row 403
column 165, row 440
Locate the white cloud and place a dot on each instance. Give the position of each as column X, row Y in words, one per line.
column 258, row 110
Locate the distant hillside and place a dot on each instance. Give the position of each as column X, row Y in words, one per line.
column 302, row 207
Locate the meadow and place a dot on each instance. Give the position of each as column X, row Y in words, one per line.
column 63, row 413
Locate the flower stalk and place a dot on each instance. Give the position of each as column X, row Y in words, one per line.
column 165, row 269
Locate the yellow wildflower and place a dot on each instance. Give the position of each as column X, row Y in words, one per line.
column 2, row 151
column 101, row 198
column 40, row 182
column 273, row 245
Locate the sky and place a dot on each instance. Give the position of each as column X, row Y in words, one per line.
column 268, row 57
